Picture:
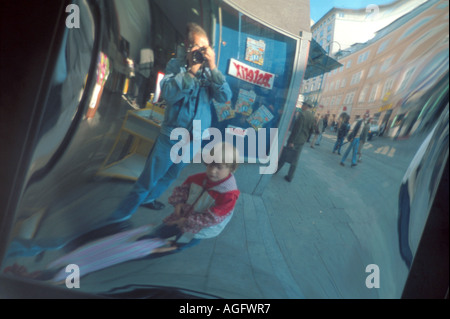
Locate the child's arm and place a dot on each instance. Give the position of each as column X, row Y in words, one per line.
column 195, row 221
column 179, row 195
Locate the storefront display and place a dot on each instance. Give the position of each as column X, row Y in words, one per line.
column 259, row 68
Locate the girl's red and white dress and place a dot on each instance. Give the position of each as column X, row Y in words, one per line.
column 207, row 206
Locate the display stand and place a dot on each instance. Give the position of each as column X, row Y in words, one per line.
column 143, row 127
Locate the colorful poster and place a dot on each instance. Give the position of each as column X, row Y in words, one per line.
column 255, row 51
column 260, row 117
column 224, row 111
column 245, row 102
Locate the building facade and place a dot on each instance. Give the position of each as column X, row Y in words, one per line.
column 386, row 75
column 340, row 29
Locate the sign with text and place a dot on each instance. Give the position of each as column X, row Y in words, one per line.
column 250, row 74
column 233, row 130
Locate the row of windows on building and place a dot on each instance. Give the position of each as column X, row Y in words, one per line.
column 341, row 83
column 318, row 35
column 316, row 83
column 374, row 90
column 319, row 30
column 384, row 45
column 357, row 76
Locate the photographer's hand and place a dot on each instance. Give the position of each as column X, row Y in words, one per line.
column 210, row 57
column 192, row 67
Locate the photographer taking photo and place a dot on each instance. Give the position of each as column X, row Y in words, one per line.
column 188, row 88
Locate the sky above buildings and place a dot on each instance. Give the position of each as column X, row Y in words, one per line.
column 320, row 7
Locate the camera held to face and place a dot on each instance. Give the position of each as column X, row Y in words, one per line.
column 198, row 56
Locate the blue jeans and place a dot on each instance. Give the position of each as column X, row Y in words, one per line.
column 319, row 139
column 158, row 174
column 353, row 145
column 338, row 144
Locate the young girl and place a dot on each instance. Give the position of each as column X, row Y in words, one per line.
column 204, row 203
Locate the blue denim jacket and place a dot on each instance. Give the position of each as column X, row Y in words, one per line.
column 180, row 90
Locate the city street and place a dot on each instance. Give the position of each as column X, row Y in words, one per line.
column 338, row 220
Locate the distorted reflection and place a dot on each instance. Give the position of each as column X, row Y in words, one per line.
column 104, row 192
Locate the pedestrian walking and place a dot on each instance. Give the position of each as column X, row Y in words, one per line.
column 324, row 126
column 303, row 126
column 363, row 137
column 342, row 132
column 318, row 130
column 353, row 138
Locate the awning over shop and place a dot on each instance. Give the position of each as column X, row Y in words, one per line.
column 319, row 62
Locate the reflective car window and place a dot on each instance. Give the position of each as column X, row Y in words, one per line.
column 315, row 203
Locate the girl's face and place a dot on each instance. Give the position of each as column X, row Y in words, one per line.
column 217, row 172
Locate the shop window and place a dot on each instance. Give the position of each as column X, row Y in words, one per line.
column 257, row 63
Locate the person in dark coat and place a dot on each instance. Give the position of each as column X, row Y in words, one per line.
column 342, row 132
column 303, row 126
